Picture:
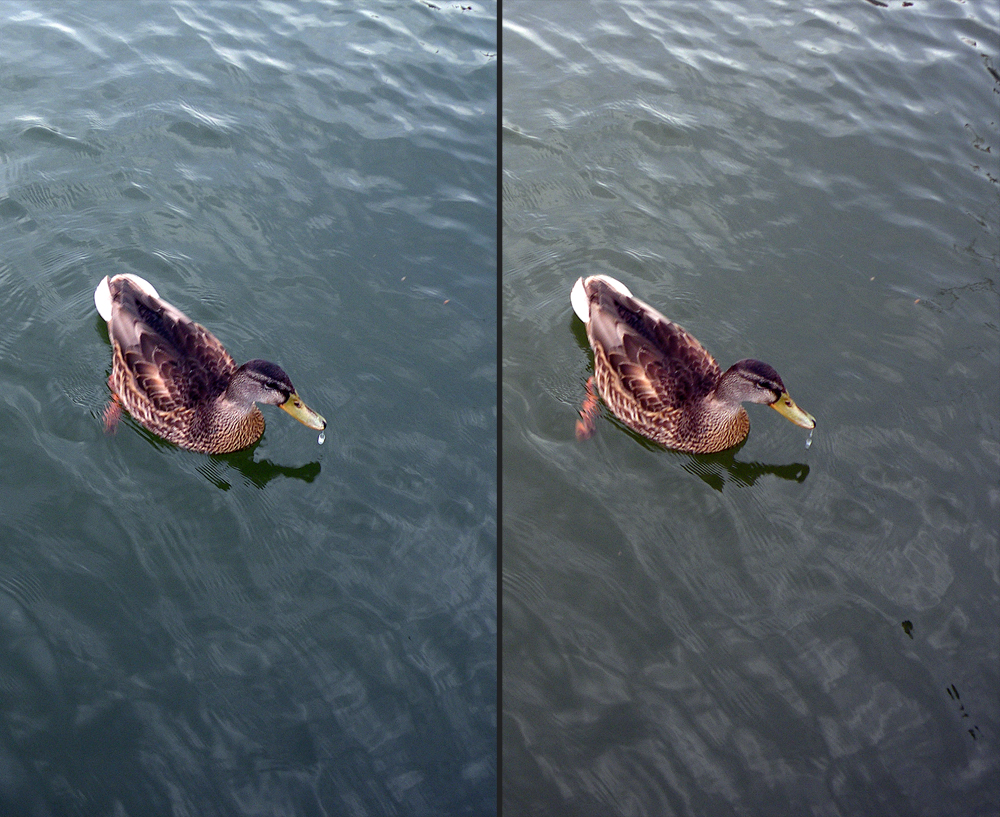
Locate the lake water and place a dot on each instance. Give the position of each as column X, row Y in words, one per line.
column 771, row 630
column 292, row 629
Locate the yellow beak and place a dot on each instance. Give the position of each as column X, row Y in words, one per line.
column 301, row 412
column 785, row 406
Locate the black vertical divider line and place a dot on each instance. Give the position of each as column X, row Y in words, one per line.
column 499, row 423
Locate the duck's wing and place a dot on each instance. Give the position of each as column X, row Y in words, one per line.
column 658, row 362
column 172, row 361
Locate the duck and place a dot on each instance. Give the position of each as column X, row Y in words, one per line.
column 661, row 382
column 176, row 379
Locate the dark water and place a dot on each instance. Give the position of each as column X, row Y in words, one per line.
column 294, row 629
column 774, row 630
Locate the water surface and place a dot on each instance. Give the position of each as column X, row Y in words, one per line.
column 771, row 630
column 292, row 629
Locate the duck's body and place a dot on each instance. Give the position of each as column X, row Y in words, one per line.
column 659, row 381
column 175, row 377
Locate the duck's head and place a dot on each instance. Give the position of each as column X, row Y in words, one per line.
column 260, row 381
column 751, row 381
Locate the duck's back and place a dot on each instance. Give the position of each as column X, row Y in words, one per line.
column 660, row 364
column 174, row 362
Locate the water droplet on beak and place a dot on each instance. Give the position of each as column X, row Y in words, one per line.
column 322, row 437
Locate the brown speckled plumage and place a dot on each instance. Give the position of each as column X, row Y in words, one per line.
column 662, row 383
column 175, row 377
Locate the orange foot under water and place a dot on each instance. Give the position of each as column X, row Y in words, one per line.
column 112, row 414
column 585, row 425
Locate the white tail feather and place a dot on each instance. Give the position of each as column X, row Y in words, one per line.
column 102, row 295
column 102, row 299
column 581, row 301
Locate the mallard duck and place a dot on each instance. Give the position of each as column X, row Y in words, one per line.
column 173, row 376
column 662, row 383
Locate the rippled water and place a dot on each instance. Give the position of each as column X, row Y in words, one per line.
column 292, row 629
column 773, row 630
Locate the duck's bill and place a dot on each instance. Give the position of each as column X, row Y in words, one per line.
column 301, row 412
column 785, row 406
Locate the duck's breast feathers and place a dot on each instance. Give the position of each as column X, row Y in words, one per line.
column 654, row 358
column 172, row 359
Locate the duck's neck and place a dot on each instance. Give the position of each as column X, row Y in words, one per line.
column 729, row 393
column 240, row 394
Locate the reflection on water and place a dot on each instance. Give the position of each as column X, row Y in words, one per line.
column 715, row 472
column 257, row 473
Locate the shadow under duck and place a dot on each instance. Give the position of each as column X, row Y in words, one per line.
column 176, row 378
column 659, row 381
